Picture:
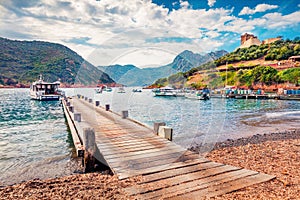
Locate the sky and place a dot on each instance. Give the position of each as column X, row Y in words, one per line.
column 143, row 32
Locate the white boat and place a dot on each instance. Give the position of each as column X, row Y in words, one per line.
column 167, row 92
column 44, row 91
column 108, row 89
column 121, row 90
column 136, row 90
column 199, row 95
column 98, row 90
column 103, row 88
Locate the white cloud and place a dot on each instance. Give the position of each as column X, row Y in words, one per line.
column 211, row 3
column 184, row 4
column 277, row 20
column 119, row 31
column 259, row 8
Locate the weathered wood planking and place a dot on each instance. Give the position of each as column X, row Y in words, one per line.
column 168, row 170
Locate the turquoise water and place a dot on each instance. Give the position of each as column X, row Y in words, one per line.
column 35, row 142
column 195, row 122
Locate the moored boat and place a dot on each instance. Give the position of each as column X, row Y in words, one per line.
column 168, row 92
column 45, row 91
column 136, row 90
column 199, row 95
column 121, row 90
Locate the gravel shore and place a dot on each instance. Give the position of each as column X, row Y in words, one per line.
column 275, row 154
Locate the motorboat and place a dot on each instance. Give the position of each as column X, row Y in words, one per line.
column 45, row 91
column 121, row 90
column 136, row 90
column 199, row 95
column 167, row 92
column 103, row 88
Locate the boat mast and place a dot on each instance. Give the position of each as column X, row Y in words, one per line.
column 226, row 74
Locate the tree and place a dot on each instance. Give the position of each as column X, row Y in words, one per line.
column 291, row 75
column 265, row 75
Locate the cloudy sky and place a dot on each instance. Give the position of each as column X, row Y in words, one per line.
column 146, row 33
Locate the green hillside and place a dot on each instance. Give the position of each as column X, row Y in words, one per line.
column 21, row 62
column 209, row 75
column 279, row 50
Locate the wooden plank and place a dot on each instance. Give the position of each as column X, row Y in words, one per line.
column 104, row 146
column 150, row 154
column 180, row 171
column 145, row 152
column 233, row 185
column 140, row 166
column 133, row 141
column 238, row 184
column 109, row 147
column 113, row 151
column 122, row 174
column 148, row 160
column 198, row 185
column 157, row 185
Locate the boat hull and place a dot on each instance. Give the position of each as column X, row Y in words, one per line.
column 46, row 97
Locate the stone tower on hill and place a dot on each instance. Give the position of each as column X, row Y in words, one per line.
column 246, row 37
column 248, row 40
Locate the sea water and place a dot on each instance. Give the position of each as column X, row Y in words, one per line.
column 34, row 138
column 196, row 121
column 35, row 141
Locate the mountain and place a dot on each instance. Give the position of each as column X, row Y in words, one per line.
column 21, row 62
column 257, row 66
column 130, row 75
column 188, row 60
column 117, row 71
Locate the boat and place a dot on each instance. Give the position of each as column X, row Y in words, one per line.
column 98, row 90
column 199, row 95
column 136, row 90
column 167, row 92
column 121, row 90
column 103, row 88
column 45, row 91
column 107, row 89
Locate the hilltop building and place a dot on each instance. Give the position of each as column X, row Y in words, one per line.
column 248, row 40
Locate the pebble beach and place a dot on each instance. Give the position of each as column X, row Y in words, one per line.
column 276, row 154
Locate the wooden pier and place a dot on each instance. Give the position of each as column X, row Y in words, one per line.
column 129, row 148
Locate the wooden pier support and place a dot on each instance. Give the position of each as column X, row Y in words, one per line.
column 156, row 126
column 165, row 132
column 97, row 103
column 71, row 108
column 124, row 114
column 90, row 149
column 107, row 107
column 76, row 140
column 77, row 117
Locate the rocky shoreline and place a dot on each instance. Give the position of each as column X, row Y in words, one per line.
column 275, row 154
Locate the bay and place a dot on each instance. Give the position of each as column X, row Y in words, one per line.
column 35, row 141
